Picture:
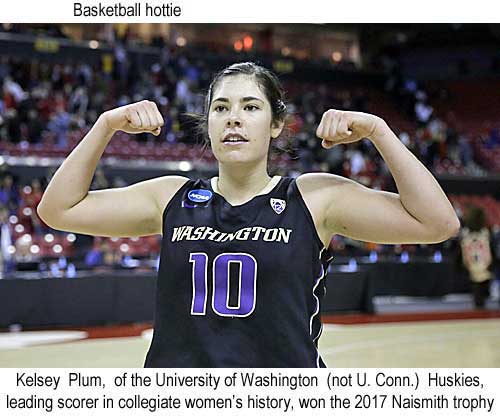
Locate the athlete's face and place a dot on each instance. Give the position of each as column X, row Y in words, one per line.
column 240, row 123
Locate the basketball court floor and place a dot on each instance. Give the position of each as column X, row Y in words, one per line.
column 347, row 341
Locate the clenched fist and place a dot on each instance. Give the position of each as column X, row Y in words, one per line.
column 340, row 127
column 135, row 118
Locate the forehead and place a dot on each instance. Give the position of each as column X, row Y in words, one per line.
column 238, row 86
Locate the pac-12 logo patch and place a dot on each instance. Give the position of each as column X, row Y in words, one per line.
column 278, row 205
column 200, row 196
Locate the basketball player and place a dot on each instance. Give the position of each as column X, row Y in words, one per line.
column 244, row 255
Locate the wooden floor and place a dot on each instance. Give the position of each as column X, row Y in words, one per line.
column 437, row 343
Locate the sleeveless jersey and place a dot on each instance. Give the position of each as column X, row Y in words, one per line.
column 238, row 286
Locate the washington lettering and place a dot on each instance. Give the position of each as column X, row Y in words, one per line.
column 255, row 233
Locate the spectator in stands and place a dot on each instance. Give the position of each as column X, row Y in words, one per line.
column 9, row 195
column 476, row 253
column 5, row 240
column 59, row 125
column 24, row 257
column 103, row 258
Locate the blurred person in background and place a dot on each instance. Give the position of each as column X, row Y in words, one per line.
column 25, row 259
column 476, row 252
column 5, row 240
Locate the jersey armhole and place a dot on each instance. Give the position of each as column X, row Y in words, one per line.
column 179, row 192
column 307, row 213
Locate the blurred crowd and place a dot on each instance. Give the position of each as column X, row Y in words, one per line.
column 42, row 101
column 45, row 102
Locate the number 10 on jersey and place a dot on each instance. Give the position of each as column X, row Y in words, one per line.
column 247, row 284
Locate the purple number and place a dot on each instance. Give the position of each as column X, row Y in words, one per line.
column 247, row 280
column 199, row 277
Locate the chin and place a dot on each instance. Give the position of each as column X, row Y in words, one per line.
column 237, row 157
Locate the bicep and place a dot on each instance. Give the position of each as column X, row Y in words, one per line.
column 373, row 216
column 135, row 210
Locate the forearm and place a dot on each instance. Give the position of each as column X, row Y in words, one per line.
column 419, row 192
column 71, row 182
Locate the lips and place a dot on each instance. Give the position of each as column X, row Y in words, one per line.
column 234, row 138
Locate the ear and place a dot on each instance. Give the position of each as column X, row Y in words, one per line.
column 277, row 128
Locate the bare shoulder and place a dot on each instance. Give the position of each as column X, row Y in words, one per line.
column 164, row 188
column 318, row 191
column 319, row 188
column 319, row 180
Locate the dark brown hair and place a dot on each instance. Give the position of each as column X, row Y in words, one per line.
column 475, row 218
column 267, row 81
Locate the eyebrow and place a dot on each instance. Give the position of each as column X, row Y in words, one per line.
column 245, row 99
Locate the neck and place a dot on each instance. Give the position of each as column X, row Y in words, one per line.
column 241, row 184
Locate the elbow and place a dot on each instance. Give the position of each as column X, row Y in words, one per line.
column 450, row 229
column 454, row 226
column 46, row 215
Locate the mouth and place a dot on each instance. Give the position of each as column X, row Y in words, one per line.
column 234, row 138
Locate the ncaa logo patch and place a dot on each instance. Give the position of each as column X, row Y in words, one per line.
column 278, row 205
column 199, row 196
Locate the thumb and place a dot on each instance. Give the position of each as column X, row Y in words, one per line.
column 327, row 144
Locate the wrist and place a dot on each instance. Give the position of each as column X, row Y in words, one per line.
column 103, row 123
column 380, row 128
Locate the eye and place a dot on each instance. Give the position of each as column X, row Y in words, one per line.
column 220, row 108
column 251, row 107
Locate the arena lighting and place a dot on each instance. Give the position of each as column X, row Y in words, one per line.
column 27, row 211
column 13, row 219
column 27, row 190
column 124, row 248
column 134, row 238
column 71, row 237
column 181, row 41
column 31, row 161
column 336, row 56
column 26, row 237
column 11, row 249
column 57, row 248
column 49, row 237
column 285, row 51
column 238, row 45
column 114, row 239
column 19, row 228
column 247, row 42
column 34, row 249
column 185, row 166
column 94, row 44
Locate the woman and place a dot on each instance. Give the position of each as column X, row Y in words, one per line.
column 244, row 254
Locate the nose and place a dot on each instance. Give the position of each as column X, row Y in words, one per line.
column 233, row 120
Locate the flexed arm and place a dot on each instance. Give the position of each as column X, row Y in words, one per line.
column 136, row 210
column 419, row 213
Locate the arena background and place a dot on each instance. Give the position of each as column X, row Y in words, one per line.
column 92, row 299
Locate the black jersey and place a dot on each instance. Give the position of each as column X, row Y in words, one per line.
column 238, row 286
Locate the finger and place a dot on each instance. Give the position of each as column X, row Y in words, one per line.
column 156, row 117
column 333, row 130
column 343, row 128
column 145, row 117
column 326, row 124
column 132, row 117
column 319, row 130
column 327, row 144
